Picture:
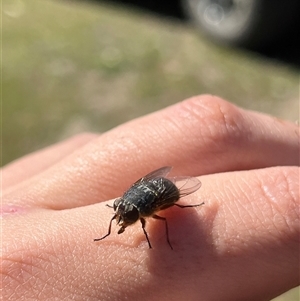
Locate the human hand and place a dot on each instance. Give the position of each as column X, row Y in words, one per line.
column 243, row 244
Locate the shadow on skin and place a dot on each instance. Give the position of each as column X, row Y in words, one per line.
column 190, row 235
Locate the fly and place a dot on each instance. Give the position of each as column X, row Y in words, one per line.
column 149, row 195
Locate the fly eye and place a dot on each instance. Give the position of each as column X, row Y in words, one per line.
column 116, row 203
column 130, row 215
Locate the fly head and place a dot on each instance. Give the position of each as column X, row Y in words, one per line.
column 126, row 213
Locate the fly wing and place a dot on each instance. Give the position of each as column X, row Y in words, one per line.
column 158, row 173
column 186, row 185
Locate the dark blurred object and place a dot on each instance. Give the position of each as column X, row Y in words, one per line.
column 253, row 24
column 268, row 27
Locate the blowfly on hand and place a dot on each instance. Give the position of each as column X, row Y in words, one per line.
column 149, row 195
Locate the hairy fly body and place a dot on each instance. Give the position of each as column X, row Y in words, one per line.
column 148, row 195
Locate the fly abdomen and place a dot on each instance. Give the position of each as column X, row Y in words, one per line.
column 168, row 193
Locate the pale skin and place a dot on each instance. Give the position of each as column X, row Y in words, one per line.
column 243, row 244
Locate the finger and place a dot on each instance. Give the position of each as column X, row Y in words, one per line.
column 244, row 241
column 32, row 164
column 201, row 135
column 204, row 135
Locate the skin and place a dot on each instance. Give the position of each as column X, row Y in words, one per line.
column 243, row 244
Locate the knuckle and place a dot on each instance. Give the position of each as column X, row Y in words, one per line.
column 222, row 122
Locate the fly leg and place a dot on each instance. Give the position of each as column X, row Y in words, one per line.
column 143, row 226
column 109, row 229
column 167, row 230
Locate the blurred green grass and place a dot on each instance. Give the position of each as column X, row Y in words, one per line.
column 69, row 67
